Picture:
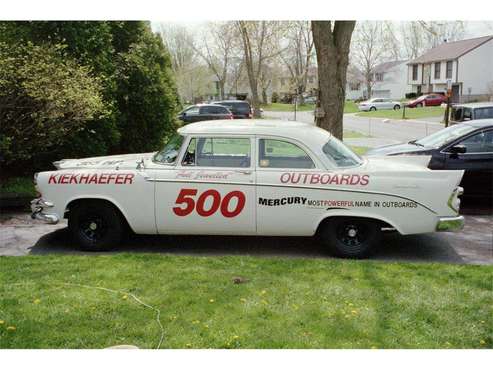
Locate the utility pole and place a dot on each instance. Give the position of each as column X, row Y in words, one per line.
column 447, row 109
column 295, row 103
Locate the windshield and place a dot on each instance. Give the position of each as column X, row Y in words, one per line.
column 339, row 154
column 444, row 136
column 170, row 152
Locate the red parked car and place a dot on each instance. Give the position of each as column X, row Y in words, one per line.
column 427, row 101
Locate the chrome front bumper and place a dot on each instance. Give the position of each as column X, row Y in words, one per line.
column 38, row 206
column 455, row 223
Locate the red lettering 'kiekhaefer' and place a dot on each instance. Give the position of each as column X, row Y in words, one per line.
column 88, row 179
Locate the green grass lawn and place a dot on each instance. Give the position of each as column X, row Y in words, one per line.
column 411, row 113
column 349, row 107
column 286, row 303
column 348, row 134
column 23, row 186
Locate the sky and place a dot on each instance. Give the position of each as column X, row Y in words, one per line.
column 473, row 28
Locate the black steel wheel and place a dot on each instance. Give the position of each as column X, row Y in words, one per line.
column 95, row 225
column 350, row 237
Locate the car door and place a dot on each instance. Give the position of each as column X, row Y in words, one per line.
column 387, row 103
column 477, row 163
column 282, row 207
column 192, row 114
column 210, row 190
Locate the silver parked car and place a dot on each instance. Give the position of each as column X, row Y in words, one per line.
column 378, row 103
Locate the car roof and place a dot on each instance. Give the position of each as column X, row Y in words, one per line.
column 478, row 123
column 230, row 101
column 306, row 133
column 475, row 105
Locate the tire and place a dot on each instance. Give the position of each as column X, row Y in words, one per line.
column 350, row 237
column 419, row 105
column 95, row 226
column 397, row 107
column 373, row 109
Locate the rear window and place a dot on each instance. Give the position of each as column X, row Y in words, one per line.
column 213, row 109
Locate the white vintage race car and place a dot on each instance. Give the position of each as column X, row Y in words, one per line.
column 249, row 177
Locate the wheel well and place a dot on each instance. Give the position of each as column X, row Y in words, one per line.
column 382, row 224
column 76, row 202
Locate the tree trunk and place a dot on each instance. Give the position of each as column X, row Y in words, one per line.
column 264, row 96
column 368, row 89
column 332, row 47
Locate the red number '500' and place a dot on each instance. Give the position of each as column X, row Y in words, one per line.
column 186, row 198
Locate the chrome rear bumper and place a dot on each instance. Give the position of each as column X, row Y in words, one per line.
column 455, row 223
column 38, row 206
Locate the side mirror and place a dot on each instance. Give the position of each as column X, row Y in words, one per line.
column 457, row 149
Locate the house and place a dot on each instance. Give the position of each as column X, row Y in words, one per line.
column 286, row 84
column 390, row 80
column 355, row 84
column 467, row 64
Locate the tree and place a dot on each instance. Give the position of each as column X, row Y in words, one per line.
column 146, row 95
column 420, row 36
column 369, row 50
column 45, row 97
column 260, row 41
column 218, row 47
column 332, row 44
column 299, row 53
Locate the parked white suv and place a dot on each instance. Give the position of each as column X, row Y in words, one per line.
column 378, row 103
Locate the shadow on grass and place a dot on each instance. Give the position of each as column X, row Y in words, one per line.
column 394, row 247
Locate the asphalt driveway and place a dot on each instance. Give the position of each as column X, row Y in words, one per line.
column 19, row 235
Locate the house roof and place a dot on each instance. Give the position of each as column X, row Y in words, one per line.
column 383, row 67
column 451, row 50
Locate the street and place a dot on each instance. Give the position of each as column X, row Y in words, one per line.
column 382, row 131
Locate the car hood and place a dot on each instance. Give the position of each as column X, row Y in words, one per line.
column 110, row 161
column 404, row 148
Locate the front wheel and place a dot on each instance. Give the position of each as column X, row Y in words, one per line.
column 95, row 226
column 350, row 237
column 419, row 105
column 397, row 107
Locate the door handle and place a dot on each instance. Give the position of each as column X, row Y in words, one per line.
column 244, row 172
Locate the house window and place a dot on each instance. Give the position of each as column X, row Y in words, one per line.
column 354, row 86
column 415, row 72
column 437, row 70
column 379, row 76
column 310, row 79
column 449, row 69
column 282, row 82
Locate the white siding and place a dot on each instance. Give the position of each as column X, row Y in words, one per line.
column 476, row 69
column 410, row 75
column 394, row 84
column 443, row 72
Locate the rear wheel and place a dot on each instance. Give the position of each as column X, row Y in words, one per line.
column 397, row 107
column 350, row 237
column 373, row 108
column 95, row 226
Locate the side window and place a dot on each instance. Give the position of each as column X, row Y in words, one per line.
column 218, row 152
column 467, row 115
column 206, row 110
column 282, row 154
column 479, row 143
column 482, row 113
column 192, row 110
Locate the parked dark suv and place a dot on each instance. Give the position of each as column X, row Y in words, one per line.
column 239, row 108
column 204, row 112
column 468, row 112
